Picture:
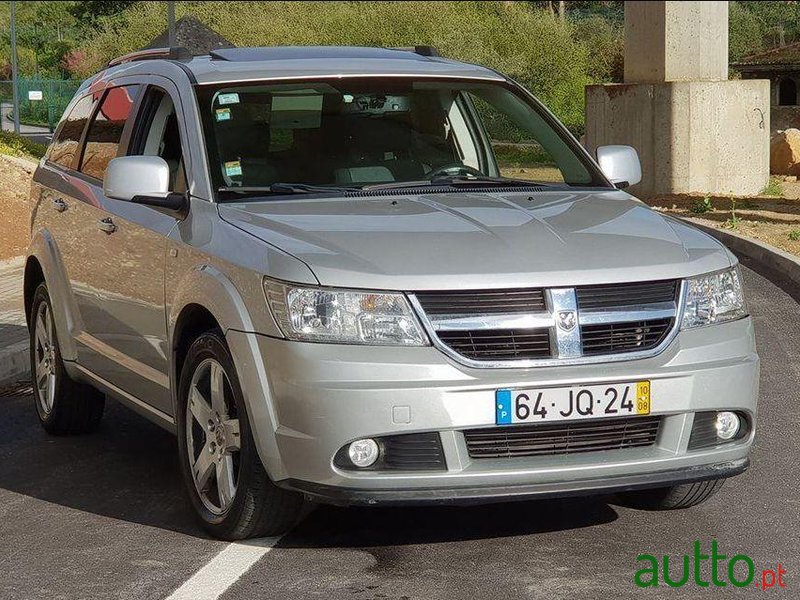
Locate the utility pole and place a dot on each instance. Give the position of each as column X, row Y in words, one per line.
column 171, row 23
column 14, row 70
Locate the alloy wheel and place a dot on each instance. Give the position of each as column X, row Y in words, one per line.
column 212, row 436
column 45, row 358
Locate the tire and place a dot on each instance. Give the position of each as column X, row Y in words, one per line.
column 672, row 498
column 64, row 406
column 209, row 392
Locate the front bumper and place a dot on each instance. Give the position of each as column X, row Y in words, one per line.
column 509, row 493
column 307, row 400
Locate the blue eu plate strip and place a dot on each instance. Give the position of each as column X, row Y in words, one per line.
column 503, row 407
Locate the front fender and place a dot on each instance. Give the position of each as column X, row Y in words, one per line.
column 210, row 288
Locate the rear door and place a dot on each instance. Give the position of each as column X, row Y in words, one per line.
column 125, row 318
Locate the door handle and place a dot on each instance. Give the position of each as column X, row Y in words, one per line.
column 59, row 204
column 106, row 225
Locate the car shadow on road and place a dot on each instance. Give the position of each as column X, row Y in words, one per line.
column 357, row 527
column 128, row 470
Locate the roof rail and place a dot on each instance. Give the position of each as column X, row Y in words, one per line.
column 175, row 53
column 421, row 50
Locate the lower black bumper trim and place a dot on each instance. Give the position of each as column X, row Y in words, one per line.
column 342, row 496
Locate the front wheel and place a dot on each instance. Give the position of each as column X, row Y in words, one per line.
column 674, row 497
column 226, row 481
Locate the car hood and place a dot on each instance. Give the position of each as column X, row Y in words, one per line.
column 480, row 240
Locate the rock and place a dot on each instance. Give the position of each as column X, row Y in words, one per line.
column 784, row 152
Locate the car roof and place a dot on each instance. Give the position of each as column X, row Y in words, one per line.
column 300, row 62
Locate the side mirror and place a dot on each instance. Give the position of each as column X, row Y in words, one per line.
column 620, row 164
column 142, row 180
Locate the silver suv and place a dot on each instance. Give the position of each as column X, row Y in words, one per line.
column 373, row 276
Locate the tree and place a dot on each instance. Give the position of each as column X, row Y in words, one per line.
column 88, row 13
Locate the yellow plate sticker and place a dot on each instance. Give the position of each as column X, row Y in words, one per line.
column 642, row 397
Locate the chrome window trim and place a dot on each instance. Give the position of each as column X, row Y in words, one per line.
column 632, row 313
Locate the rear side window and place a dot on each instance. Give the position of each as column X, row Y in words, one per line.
column 105, row 130
column 68, row 137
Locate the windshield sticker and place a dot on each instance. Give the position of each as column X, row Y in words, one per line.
column 232, row 98
column 233, row 168
column 223, row 114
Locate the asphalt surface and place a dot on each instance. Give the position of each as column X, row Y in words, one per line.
column 104, row 516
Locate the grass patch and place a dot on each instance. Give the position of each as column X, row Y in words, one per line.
column 17, row 145
column 699, row 206
column 773, row 188
column 509, row 155
column 795, row 235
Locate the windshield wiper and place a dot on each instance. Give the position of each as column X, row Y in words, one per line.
column 288, row 188
column 458, row 180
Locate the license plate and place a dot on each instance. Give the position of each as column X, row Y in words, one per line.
column 571, row 403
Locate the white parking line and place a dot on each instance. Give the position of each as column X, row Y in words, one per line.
column 225, row 569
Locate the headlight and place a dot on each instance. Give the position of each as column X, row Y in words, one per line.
column 343, row 316
column 713, row 298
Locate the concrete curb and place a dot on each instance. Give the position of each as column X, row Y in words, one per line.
column 773, row 259
column 14, row 364
column 14, row 359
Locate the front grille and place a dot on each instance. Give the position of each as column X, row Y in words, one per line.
column 499, row 344
column 569, row 437
column 482, row 302
column 626, row 294
column 505, row 327
column 613, row 338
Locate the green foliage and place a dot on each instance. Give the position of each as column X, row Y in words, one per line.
column 780, row 21
column 605, row 46
column 773, row 188
column 734, row 220
column 794, row 235
column 17, row 145
column 745, row 32
column 701, row 206
column 530, row 45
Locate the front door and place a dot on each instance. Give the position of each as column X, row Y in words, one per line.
column 125, row 319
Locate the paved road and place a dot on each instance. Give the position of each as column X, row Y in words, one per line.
column 103, row 517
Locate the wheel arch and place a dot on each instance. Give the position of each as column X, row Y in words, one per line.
column 208, row 299
column 44, row 264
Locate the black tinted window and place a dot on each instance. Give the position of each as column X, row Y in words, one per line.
column 68, row 137
column 105, row 131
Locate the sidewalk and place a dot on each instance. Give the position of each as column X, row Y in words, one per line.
column 13, row 332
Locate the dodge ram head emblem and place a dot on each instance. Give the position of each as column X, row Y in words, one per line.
column 567, row 319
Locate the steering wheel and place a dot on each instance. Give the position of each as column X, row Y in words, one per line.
column 454, row 169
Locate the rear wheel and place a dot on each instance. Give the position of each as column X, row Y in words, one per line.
column 64, row 406
column 227, row 484
column 674, row 497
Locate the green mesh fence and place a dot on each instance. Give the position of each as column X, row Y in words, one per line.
column 56, row 94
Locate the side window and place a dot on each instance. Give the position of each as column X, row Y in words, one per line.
column 64, row 147
column 105, row 130
column 525, row 147
column 158, row 134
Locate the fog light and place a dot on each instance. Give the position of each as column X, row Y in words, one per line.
column 727, row 425
column 363, row 453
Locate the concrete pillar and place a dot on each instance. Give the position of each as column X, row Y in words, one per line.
column 676, row 41
column 695, row 130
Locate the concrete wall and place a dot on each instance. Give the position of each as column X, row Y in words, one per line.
column 694, row 136
column 676, row 41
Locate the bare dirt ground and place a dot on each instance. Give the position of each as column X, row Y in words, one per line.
column 15, row 214
column 773, row 220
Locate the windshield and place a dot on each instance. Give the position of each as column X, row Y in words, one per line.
column 357, row 133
